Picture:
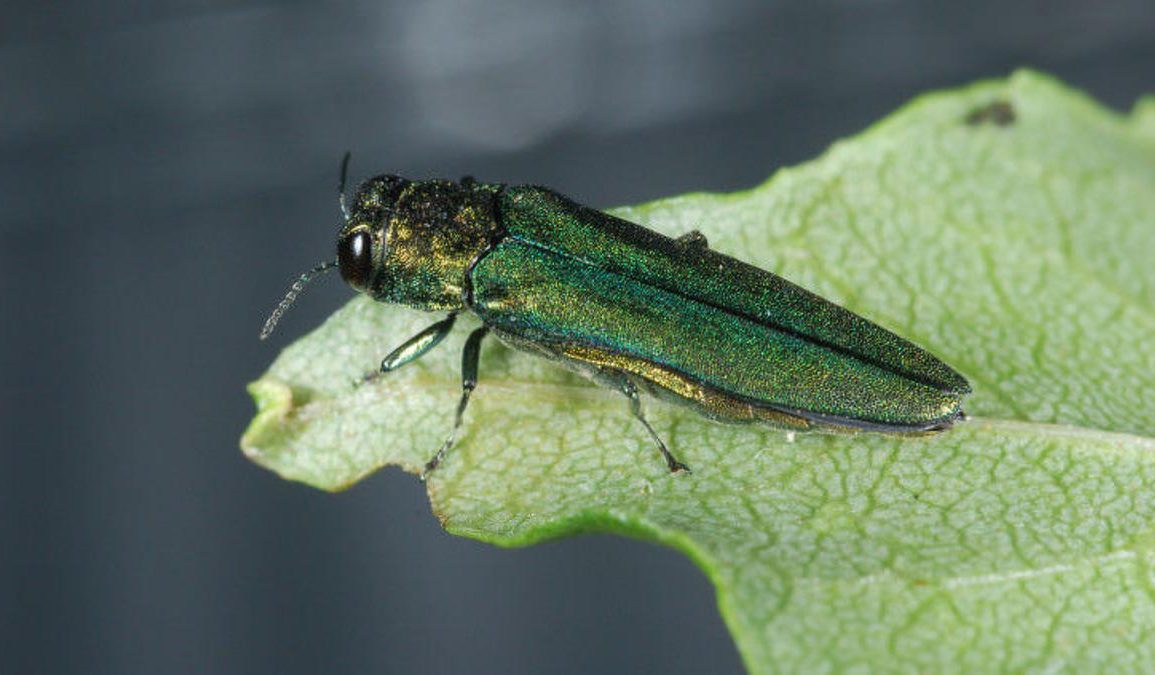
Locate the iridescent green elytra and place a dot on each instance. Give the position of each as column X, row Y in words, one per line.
column 632, row 309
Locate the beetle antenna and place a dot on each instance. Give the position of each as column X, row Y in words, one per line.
column 341, row 185
column 294, row 291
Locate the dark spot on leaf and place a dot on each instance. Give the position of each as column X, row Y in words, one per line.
column 302, row 396
column 998, row 113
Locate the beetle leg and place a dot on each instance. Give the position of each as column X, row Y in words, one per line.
column 415, row 347
column 631, row 392
column 469, row 358
column 693, row 239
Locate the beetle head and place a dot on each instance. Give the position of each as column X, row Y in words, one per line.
column 413, row 242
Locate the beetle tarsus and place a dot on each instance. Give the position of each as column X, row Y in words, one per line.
column 693, row 239
column 435, row 461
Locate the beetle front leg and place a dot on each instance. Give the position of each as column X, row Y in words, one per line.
column 469, row 358
column 415, row 347
column 631, row 391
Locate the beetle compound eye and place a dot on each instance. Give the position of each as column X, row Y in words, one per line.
column 355, row 253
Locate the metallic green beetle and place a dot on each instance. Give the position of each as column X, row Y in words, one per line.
column 631, row 309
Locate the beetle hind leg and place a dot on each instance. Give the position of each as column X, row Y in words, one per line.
column 631, row 391
column 694, row 240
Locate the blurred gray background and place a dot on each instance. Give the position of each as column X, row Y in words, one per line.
column 166, row 168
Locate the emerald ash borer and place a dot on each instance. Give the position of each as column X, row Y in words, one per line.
column 634, row 310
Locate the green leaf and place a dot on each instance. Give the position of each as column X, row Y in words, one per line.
column 1018, row 247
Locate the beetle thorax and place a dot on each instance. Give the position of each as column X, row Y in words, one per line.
column 431, row 236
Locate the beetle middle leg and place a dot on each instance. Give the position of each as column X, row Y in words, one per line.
column 469, row 358
column 415, row 347
column 631, row 391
